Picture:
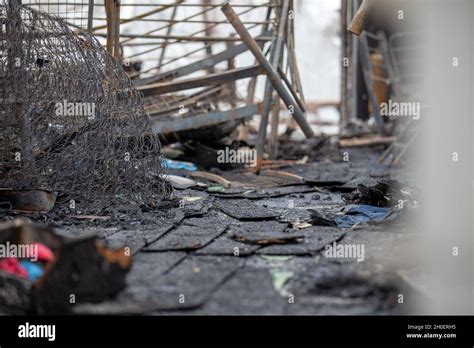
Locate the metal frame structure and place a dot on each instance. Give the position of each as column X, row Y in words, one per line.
column 196, row 72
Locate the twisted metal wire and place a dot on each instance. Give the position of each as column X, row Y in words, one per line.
column 71, row 120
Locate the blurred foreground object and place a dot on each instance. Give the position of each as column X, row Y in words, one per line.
column 81, row 270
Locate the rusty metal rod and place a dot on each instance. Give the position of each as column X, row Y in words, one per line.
column 292, row 90
column 168, row 32
column 187, row 38
column 116, row 28
column 176, row 21
column 196, row 50
column 267, row 67
column 161, row 4
column 131, row 19
column 275, row 58
column 293, row 62
column 274, row 123
column 199, row 49
column 253, row 82
column 167, row 25
column 210, row 79
column 90, row 16
column 109, row 26
column 207, row 44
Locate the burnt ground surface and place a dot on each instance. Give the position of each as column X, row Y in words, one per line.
column 257, row 249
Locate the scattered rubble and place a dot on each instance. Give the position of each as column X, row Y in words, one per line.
column 383, row 194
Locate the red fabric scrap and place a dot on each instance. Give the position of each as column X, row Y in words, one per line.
column 11, row 265
column 44, row 253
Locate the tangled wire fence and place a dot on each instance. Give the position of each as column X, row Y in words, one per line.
column 71, row 120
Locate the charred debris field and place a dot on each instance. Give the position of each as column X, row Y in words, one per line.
column 267, row 244
column 163, row 159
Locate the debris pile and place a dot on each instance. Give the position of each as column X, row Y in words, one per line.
column 383, row 194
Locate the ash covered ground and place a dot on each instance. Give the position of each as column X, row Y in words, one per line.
column 261, row 247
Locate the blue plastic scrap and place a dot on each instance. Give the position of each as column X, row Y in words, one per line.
column 34, row 270
column 361, row 214
column 179, row 165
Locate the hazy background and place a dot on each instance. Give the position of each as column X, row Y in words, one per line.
column 446, row 154
column 318, row 43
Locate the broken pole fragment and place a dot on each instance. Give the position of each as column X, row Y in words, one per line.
column 267, row 67
column 360, row 18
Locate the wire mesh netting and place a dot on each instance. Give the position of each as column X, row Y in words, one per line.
column 71, row 120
